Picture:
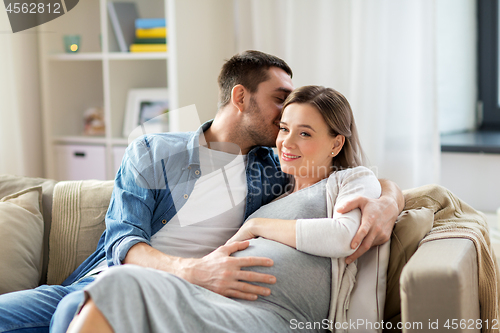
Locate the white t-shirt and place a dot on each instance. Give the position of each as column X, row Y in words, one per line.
column 214, row 210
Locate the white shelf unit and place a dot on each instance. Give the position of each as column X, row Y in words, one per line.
column 200, row 37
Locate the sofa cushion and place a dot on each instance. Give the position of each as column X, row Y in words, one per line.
column 77, row 224
column 21, row 239
column 10, row 184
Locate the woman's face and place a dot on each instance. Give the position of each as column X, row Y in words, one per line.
column 304, row 144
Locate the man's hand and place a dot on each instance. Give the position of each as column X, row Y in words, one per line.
column 217, row 271
column 377, row 218
column 221, row 273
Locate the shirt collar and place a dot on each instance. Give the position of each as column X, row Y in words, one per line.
column 194, row 144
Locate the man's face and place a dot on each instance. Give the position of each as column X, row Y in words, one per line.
column 263, row 116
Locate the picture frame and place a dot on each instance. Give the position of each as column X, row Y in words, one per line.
column 146, row 112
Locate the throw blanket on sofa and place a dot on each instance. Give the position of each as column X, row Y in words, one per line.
column 455, row 219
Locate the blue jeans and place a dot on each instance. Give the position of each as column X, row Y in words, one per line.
column 30, row 311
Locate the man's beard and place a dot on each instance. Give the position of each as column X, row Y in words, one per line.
column 257, row 132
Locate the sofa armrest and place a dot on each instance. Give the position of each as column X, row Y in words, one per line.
column 440, row 283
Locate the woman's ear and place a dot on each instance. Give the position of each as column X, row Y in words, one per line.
column 238, row 94
column 338, row 143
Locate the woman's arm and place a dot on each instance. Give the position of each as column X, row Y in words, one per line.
column 330, row 237
column 282, row 231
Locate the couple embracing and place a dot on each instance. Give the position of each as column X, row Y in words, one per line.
column 282, row 250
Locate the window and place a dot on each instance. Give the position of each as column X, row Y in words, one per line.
column 489, row 64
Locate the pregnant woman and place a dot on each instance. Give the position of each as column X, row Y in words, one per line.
column 301, row 231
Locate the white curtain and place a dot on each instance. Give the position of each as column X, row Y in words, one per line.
column 381, row 54
column 21, row 148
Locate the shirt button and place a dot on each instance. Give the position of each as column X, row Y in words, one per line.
column 189, row 167
column 186, row 196
column 164, row 221
column 197, row 172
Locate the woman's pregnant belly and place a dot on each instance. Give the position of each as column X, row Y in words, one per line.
column 302, row 288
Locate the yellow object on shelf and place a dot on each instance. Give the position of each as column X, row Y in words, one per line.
column 148, row 48
column 151, row 33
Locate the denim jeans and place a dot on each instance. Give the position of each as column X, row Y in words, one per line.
column 30, row 311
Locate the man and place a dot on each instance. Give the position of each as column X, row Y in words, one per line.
column 160, row 202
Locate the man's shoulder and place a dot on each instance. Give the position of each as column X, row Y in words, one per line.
column 151, row 155
column 164, row 142
column 147, row 150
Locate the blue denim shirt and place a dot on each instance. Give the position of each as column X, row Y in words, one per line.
column 155, row 179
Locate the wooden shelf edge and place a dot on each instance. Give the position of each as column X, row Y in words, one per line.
column 91, row 56
column 136, row 56
column 75, row 139
column 79, row 140
column 119, row 141
column 111, row 56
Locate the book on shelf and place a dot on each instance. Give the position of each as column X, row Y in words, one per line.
column 151, row 33
column 148, row 23
column 150, row 41
column 123, row 16
column 136, row 48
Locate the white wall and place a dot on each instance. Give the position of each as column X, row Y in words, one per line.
column 474, row 178
column 205, row 38
column 21, row 150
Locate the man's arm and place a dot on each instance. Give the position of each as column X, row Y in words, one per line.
column 216, row 271
column 136, row 194
column 377, row 217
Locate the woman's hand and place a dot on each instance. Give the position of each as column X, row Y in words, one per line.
column 282, row 231
column 247, row 231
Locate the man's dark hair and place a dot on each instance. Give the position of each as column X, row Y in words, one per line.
column 248, row 69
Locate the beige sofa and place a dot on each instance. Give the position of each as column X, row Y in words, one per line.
column 439, row 283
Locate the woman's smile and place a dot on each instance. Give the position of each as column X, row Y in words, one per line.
column 289, row 157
